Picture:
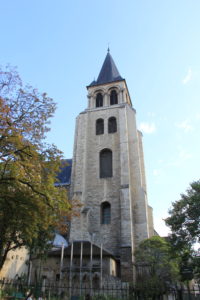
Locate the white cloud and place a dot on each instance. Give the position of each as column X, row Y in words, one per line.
column 197, row 116
column 182, row 156
column 156, row 172
column 188, row 76
column 160, row 227
column 147, row 127
column 151, row 114
column 185, row 125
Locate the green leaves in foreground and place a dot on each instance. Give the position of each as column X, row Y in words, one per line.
column 184, row 219
column 155, row 268
column 30, row 205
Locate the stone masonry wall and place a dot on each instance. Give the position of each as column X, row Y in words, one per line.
column 125, row 190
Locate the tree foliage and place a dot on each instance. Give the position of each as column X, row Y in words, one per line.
column 30, row 205
column 184, row 222
column 156, row 270
column 196, row 266
column 184, row 219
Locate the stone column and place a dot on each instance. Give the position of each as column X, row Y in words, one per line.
column 106, row 99
column 90, row 98
column 127, row 267
column 121, row 95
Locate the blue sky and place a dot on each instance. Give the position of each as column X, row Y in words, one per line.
column 59, row 47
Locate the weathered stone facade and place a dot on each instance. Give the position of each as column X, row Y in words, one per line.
column 15, row 264
column 131, row 217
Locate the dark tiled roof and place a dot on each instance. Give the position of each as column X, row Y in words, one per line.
column 108, row 73
column 87, row 249
column 64, row 177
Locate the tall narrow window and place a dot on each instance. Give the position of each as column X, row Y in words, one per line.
column 99, row 100
column 112, row 125
column 99, row 126
column 105, row 213
column 113, row 97
column 95, row 282
column 105, row 163
column 85, row 279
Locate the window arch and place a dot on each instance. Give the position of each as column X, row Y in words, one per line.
column 105, row 213
column 85, row 280
column 113, row 97
column 105, row 163
column 99, row 126
column 99, row 100
column 96, row 282
column 112, row 125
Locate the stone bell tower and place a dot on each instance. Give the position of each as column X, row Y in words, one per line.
column 108, row 174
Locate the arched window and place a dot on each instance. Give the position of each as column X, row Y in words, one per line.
column 96, row 282
column 112, row 125
column 99, row 100
column 113, row 97
column 85, row 280
column 57, row 277
column 105, row 213
column 99, row 126
column 105, row 163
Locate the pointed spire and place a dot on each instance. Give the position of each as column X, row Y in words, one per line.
column 109, row 71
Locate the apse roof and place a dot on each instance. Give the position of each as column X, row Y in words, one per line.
column 96, row 250
column 64, row 176
column 59, row 241
column 109, row 72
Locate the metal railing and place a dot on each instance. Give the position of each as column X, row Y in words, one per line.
column 57, row 290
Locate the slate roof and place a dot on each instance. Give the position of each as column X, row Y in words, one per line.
column 87, row 250
column 59, row 240
column 109, row 72
column 64, row 176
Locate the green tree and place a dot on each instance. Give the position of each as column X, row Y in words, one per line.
column 30, row 205
column 156, row 270
column 184, row 222
column 196, row 266
column 184, row 219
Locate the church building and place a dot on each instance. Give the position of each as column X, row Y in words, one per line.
column 107, row 177
column 108, row 173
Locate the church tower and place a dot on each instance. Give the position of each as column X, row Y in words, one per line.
column 108, row 174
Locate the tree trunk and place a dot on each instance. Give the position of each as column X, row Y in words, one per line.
column 3, row 253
